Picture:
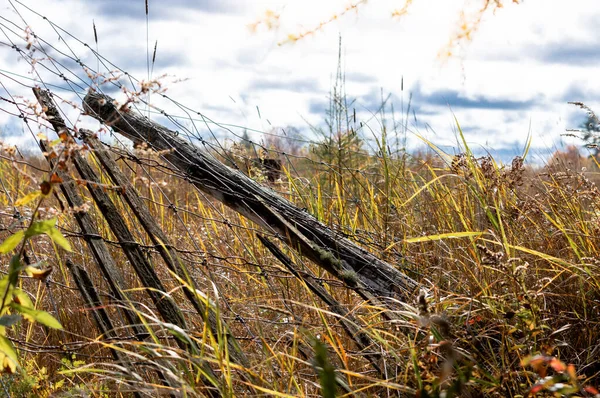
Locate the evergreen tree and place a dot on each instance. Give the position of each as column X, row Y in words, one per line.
column 591, row 129
column 246, row 141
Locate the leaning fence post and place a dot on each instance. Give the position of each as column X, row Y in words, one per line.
column 164, row 247
column 96, row 244
column 164, row 303
column 244, row 195
column 92, row 300
column 131, row 248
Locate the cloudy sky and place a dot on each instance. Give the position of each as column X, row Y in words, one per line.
column 514, row 77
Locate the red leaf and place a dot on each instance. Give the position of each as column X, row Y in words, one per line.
column 536, row 388
column 591, row 390
column 558, row 365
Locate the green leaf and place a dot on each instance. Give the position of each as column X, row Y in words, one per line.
column 325, row 370
column 48, row 227
column 8, row 282
column 5, row 291
column 22, row 298
column 11, row 242
column 40, row 227
column 9, row 320
column 13, row 270
column 8, row 355
column 424, row 187
column 59, row 239
column 544, row 256
column 36, row 315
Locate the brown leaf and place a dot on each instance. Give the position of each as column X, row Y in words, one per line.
column 37, row 273
column 55, row 179
column 45, row 187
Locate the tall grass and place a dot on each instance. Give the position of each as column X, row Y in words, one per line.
column 507, row 256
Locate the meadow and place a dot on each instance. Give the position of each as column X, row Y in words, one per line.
column 506, row 257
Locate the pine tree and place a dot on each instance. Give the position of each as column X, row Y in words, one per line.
column 591, row 129
column 245, row 140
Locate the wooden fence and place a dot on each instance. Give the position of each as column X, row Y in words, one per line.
column 371, row 278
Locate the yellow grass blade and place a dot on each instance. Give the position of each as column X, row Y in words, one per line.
column 450, row 235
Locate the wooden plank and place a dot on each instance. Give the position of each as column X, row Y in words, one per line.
column 165, row 248
column 117, row 224
column 93, row 302
column 247, row 197
column 98, row 248
column 165, row 305
column 353, row 327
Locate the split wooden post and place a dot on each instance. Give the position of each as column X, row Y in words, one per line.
column 248, row 197
column 93, row 302
column 163, row 245
column 97, row 246
column 165, row 305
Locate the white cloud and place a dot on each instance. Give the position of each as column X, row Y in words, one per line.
column 232, row 71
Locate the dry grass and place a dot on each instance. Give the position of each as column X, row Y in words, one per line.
column 507, row 257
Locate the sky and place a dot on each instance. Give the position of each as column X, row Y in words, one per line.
column 511, row 80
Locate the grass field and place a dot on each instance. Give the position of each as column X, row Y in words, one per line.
column 507, row 256
column 505, row 252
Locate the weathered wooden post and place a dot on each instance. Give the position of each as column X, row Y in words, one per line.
column 165, row 305
column 370, row 277
column 163, row 245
